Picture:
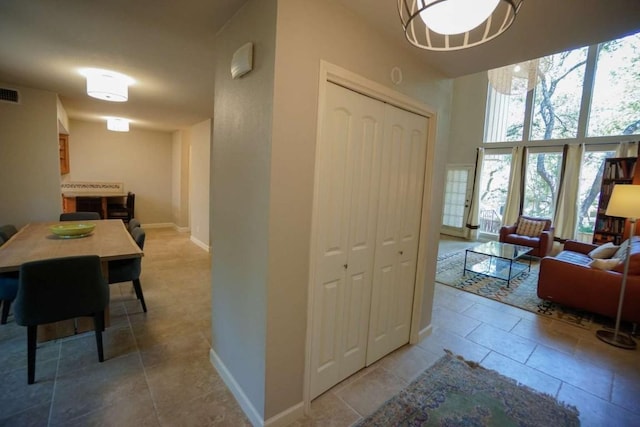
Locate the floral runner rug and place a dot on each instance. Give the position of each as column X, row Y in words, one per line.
column 455, row 392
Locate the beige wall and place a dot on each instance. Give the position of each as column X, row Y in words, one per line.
column 262, row 182
column 240, row 173
column 180, row 149
column 467, row 118
column 141, row 159
column 200, row 152
column 30, row 171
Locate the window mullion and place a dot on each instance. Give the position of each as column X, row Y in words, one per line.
column 587, row 91
column 528, row 117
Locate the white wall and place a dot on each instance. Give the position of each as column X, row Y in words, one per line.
column 30, row 171
column 180, row 148
column 141, row 159
column 467, row 118
column 200, row 152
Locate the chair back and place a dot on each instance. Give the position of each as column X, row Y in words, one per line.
column 133, row 223
column 79, row 216
column 6, row 231
column 139, row 236
column 57, row 289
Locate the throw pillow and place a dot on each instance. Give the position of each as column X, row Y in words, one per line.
column 530, row 227
column 605, row 251
column 604, row 264
column 621, row 253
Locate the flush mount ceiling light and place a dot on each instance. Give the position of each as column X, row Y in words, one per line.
column 515, row 79
column 107, row 85
column 455, row 24
column 117, row 124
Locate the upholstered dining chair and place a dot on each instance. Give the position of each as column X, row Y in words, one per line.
column 123, row 211
column 133, row 223
column 79, row 216
column 125, row 270
column 58, row 289
column 6, row 231
column 8, row 290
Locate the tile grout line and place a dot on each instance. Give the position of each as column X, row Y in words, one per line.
column 55, row 383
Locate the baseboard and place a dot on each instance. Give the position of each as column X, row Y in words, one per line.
column 286, row 418
column 425, row 332
column 254, row 417
column 181, row 229
column 200, row 244
column 158, row 225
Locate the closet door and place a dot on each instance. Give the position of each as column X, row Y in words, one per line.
column 349, row 159
column 398, row 230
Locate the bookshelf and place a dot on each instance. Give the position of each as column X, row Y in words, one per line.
column 619, row 170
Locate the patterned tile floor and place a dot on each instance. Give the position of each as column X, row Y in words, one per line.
column 157, row 371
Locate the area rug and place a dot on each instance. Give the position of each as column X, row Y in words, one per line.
column 455, row 392
column 520, row 293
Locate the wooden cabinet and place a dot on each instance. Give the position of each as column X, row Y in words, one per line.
column 620, row 170
column 63, row 146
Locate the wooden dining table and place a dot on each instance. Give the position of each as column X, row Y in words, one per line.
column 110, row 240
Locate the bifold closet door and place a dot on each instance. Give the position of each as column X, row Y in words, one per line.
column 349, row 166
column 398, row 230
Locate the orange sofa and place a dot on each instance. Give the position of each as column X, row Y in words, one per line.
column 567, row 279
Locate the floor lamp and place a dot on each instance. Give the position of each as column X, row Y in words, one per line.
column 625, row 203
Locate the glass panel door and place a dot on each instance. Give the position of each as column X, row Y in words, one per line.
column 457, row 197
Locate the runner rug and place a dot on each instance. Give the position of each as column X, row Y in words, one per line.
column 455, row 392
column 520, row 293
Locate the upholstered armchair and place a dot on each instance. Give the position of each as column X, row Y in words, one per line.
column 536, row 233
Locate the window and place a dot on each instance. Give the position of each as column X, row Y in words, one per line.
column 589, row 192
column 494, row 183
column 615, row 105
column 505, row 116
column 541, row 184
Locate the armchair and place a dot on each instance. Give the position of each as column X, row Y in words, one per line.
column 536, row 233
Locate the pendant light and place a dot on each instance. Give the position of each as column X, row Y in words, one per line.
column 446, row 25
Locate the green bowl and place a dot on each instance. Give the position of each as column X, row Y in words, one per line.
column 72, row 230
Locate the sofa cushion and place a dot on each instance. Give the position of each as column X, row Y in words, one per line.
column 530, row 227
column 574, row 257
column 605, row 251
column 604, row 264
column 634, row 258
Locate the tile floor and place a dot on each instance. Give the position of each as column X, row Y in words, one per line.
column 157, row 370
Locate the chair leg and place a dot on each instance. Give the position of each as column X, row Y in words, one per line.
column 98, row 325
column 138, row 288
column 32, row 333
column 6, row 305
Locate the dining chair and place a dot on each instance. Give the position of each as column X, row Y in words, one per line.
column 8, row 289
column 122, row 211
column 8, row 230
column 56, row 289
column 79, row 216
column 133, row 223
column 125, row 270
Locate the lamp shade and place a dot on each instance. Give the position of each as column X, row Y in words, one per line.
column 118, row 124
column 624, row 201
column 445, row 25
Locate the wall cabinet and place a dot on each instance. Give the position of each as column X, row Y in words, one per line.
column 63, row 146
column 620, row 170
column 371, row 164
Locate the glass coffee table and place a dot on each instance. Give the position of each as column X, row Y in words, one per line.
column 503, row 260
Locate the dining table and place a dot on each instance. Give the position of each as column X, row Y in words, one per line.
column 110, row 240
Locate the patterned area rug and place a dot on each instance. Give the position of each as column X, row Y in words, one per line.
column 520, row 293
column 454, row 392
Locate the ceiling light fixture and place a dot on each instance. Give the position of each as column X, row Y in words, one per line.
column 117, row 124
column 107, row 85
column 516, row 79
column 455, row 24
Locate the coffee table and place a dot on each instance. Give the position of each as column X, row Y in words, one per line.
column 502, row 260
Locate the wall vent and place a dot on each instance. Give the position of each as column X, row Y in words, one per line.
column 9, row 95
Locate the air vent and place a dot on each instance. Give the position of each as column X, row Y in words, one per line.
column 9, row 95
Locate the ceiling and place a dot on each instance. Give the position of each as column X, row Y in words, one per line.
column 167, row 47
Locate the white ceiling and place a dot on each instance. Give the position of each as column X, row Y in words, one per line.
column 167, row 47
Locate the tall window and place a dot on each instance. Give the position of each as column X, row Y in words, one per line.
column 494, row 183
column 541, row 184
column 556, row 106
column 615, row 105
